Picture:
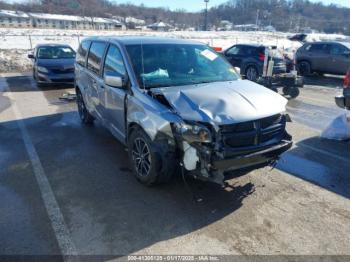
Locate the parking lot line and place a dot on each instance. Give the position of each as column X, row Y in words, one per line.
column 58, row 224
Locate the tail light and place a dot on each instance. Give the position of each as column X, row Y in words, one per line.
column 347, row 80
column 261, row 56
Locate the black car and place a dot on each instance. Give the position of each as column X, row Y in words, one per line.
column 343, row 101
column 323, row 57
column 250, row 59
column 53, row 63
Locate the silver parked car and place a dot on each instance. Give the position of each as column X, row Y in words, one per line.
column 178, row 103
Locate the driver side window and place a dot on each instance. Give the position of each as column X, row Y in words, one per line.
column 114, row 64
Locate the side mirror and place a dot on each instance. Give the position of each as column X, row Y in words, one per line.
column 31, row 56
column 113, row 80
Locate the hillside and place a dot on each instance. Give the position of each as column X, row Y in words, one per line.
column 284, row 15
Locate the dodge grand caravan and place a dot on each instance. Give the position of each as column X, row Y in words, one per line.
column 178, row 103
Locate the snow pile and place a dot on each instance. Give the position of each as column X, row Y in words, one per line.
column 15, row 60
column 339, row 128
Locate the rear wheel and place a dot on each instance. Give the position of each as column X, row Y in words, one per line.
column 147, row 159
column 304, row 68
column 251, row 73
column 85, row 117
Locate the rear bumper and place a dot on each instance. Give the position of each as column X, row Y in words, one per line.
column 253, row 159
column 343, row 101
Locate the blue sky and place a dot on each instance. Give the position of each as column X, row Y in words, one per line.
column 196, row 5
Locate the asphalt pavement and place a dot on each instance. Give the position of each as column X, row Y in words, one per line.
column 67, row 189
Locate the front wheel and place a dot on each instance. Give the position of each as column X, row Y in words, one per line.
column 147, row 161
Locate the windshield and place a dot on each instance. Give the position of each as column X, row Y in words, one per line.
column 55, row 52
column 162, row 65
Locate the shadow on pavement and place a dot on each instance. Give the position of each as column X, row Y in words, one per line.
column 107, row 211
column 324, row 81
column 325, row 163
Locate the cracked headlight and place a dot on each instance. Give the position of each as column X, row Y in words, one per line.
column 43, row 69
column 194, row 132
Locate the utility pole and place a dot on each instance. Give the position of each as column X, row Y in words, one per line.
column 206, row 15
column 257, row 19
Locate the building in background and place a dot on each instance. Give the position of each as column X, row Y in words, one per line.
column 14, row 19
column 19, row 19
column 160, row 26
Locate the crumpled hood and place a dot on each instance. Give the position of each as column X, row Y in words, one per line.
column 224, row 102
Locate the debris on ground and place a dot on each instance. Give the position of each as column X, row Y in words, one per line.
column 339, row 128
column 69, row 97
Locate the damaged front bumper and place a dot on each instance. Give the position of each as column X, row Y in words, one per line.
column 253, row 159
column 213, row 166
column 241, row 146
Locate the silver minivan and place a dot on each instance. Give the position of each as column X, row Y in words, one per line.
column 178, row 104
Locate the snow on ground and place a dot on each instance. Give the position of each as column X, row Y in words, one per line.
column 15, row 43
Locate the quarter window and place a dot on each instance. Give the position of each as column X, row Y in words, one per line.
column 95, row 56
column 338, row 50
column 114, row 64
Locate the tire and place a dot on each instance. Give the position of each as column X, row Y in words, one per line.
column 304, row 68
column 286, row 90
column 294, row 92
column 149, row 163
column 251, row 73
column 85, row 117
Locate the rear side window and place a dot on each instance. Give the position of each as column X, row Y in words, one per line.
column 114, row 64
column 319, row 48
column 82, row 51
column 96, row 52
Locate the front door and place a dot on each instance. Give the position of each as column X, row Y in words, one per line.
column 115, row 97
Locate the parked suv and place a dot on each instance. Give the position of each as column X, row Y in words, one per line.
column 53, row 63
column 177, row 102
column 250, row 59
column 323, row 57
